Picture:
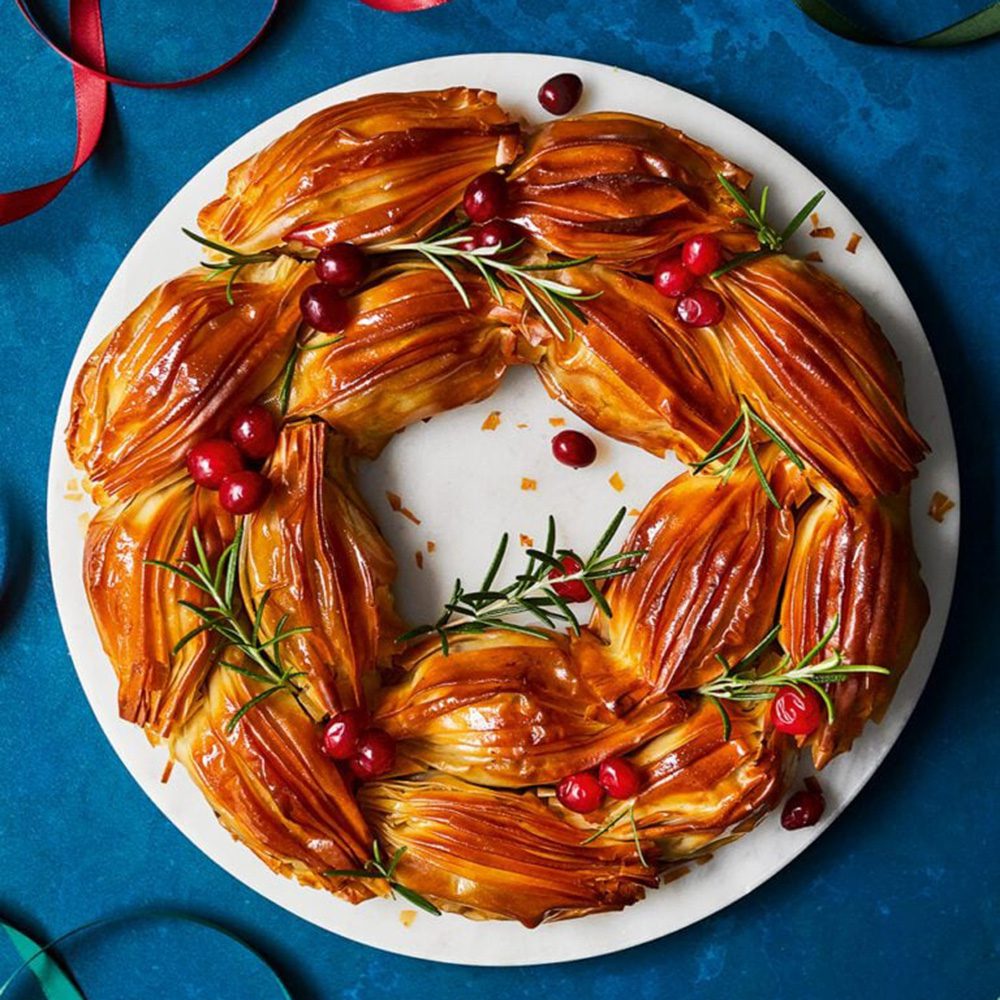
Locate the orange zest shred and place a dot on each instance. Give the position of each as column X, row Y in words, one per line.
column 527, row 541
column 492, row 422
column 431, row 546
column 419, row 557
column 815, row 256
column 852, row 243
column 617, row 483
column 823, row 233
column 529, row 484
column 557, row 421
column 396, row 503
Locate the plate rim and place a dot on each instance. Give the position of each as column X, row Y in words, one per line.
column 407, row 943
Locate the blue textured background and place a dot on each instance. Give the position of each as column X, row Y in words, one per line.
column 898, row 900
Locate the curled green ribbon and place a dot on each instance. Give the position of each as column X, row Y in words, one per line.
column 56, row 983
column 974, row 28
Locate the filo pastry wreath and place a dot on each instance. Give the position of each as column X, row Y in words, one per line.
column 765, row 604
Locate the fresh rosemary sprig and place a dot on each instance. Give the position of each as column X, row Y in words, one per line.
column 223, row 616
column 735, row 449
column 740, row 682
column 236, row 261
column 554, row 302
column 532, row 593
column 288, row 372
column 771, row 240
column 613, row 822
column 377, row 868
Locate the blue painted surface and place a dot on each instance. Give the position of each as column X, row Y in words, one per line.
column 898, row 899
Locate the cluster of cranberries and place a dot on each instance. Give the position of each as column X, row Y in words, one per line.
column 220, row 463
column 340, row 267
column 675, row 275
column 485, row 201
column 584, row 791
column 369, row 751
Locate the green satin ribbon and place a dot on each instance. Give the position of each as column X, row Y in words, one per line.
column 974, row 28
column 56, row 984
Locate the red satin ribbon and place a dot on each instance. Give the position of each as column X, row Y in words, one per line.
column 90, row 90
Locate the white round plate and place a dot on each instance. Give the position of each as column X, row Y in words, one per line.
column 465, row 485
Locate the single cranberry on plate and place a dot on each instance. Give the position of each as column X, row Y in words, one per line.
column 803, row 808
column 700, row 307
column 701, row 255
column 342, row 732
column 573, row 591
column 253, row 431
column 561, row 93
column 797, row 712
column 211, row 461
column 243, row 492
column 324, row 308
column 486, row 197
column 619, row 778
column 574, row 448
column 374, row 755
column 498, row 233
column 670, row 277
column 342, row 266
column 580, row 792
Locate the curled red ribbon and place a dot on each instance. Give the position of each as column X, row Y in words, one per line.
column 90, row 91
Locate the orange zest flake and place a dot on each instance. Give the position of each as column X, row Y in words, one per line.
column 431, row 546
column 521, row 427
column 527, row 541
column 557, row 421
column 814, row 220
column 406, row 917
column 492, row 422
column 396, row 503
column 617, row 483
column 823, row 233
column 941, row 503
column 529, row 484
column 634, row 512
column 815, row 256
column 419, row 557
column 852, row 243
column 167, row 771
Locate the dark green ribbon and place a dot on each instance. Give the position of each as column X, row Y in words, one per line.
column 974, row 28
column 56, row 984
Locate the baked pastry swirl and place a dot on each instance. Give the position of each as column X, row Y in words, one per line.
column 803, row 547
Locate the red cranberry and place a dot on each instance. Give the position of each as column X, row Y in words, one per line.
column 243, row 492
column 324, row 308
column 342, row 266
column 560, row 94
column 498, row 233
column 670, row 277
column 211, row 461
column 701, row 255
column 804, row 808
column 700, row 307
column 798, row 712
column 573, row 591
column 580, row 792
column 253, row 432
column 573, row 448
column 341, row 733
column 485, row 197
column 619, row 778
column 375, row 754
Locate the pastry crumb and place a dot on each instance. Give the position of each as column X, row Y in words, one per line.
column 617, row 483
column 814, row 220
column 165, row 777
column 83, row 521
column 419, row 557
column 815, row 257
column 527, row 541
column 396, row 503
column 529, row 484
column 852, row 243
column 941, row 503
column 557, row 421
column 823, row 233
column 492, row 422
column 521, row 427
column 406, row 917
